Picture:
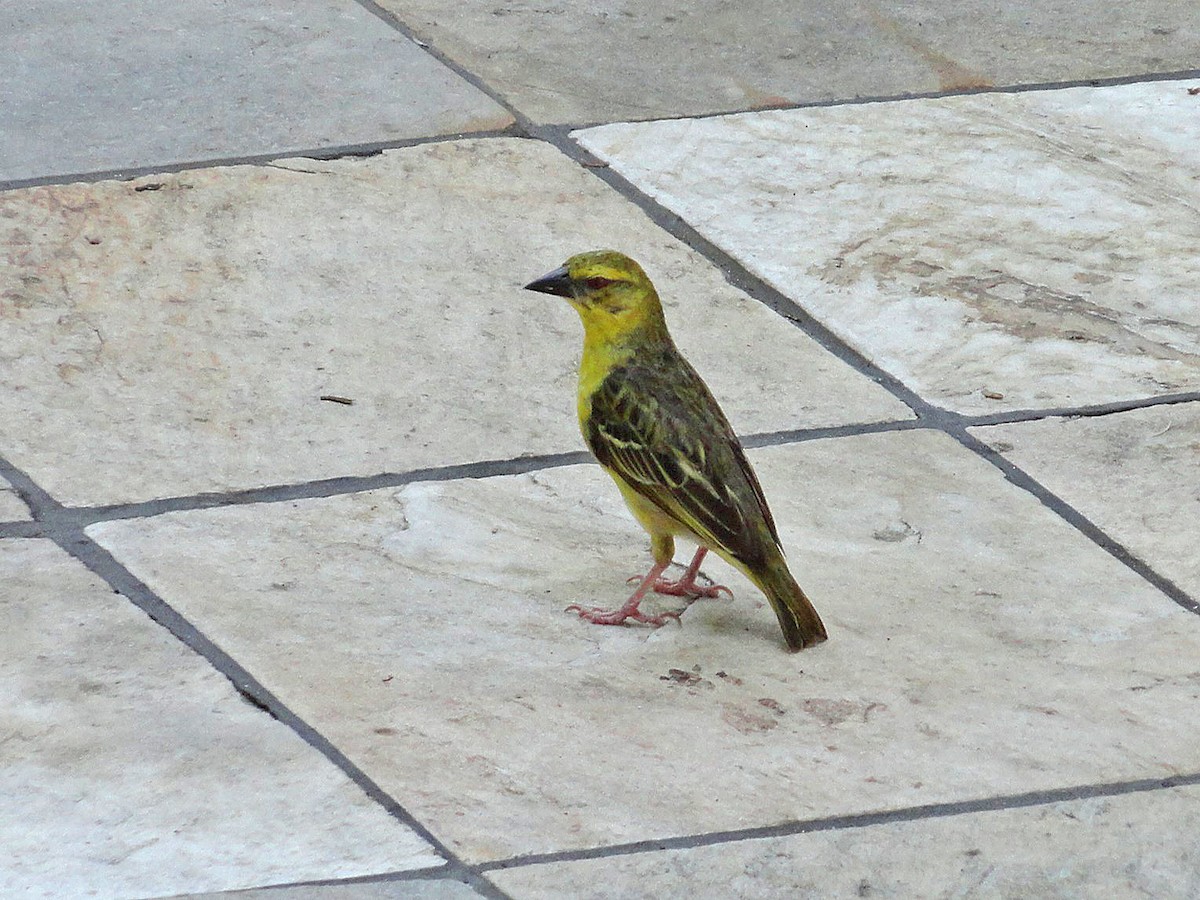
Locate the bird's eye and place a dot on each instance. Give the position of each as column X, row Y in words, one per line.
column 596, row 282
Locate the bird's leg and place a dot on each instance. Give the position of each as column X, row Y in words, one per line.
column 630, row 608
column 686, row 586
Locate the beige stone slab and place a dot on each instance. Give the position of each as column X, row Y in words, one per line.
column 178, row 340
column 978, row 645
column 993, row 251
column 415, row 889
column 577, row 61
column 119, row 84
column 129, row 767
column 1135, row 474
column 1139, row 845
column 12, row 507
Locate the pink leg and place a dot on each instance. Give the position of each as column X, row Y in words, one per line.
column 630, row 609
column 686, row 586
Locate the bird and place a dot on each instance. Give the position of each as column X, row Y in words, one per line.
column 656, row 429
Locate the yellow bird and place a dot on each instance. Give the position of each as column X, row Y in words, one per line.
column 653, row 425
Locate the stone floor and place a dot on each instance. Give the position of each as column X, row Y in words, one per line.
column 292, row 497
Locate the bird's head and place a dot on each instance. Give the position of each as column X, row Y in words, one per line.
column 609, row 290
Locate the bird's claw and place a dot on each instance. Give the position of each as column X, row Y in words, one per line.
column 681, row 588
column 598, row 616
column 692, row 591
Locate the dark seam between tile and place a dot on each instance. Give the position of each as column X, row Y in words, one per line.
column 1078, row 412
column 845, row 822
column 432, row 873
column 939, row 420
column 393, row 21
column 341, row 151
column 524, row 127
column 22, row 529
column 1033, row 87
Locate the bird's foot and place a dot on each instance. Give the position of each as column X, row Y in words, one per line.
column 686, row 587
column 598, row 616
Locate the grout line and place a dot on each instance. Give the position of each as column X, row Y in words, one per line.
column 22, row 529
column 55, row 516
column 430, row 873
column 339, row 151
column 803, row 435
column 852, row 821
column 330, row 487
column 904, row 96
column 522, row 121
column 1078, row 412
column 82, row 516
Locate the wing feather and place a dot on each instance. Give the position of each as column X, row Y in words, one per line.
column 656, row 425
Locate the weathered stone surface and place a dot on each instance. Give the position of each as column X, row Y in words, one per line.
column 1135, row 474
column 177, row 340
column 993, row 251
column 12, row 507
column 113, row 85
column 414, row 889
column 1120, row 847
column 979, row 645
column 129, row 767
column 573, row 61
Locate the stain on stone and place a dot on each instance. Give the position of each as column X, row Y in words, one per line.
column 893, row 534
column 687, row 679
column 758, row 99
column 746, row 722
column 1023, row 309
column 951, row 75
column 832, row 712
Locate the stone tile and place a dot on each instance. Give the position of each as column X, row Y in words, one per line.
column 1135, row 474
column 177, row 340
column 138, row 770
column 1117, row 847
column 113, row 85
column 573, row 61
column 415, row 889
column 979, row 645
column 12, row 507
column 993, row 251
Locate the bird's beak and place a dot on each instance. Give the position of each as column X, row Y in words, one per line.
column 557, row 282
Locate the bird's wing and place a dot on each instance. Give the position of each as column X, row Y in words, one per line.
column 660, row 429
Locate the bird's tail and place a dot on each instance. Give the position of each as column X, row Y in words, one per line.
column 801, row 625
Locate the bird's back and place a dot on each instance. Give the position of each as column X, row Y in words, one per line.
column 652, row 421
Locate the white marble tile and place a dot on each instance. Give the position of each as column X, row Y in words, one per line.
column 993, row 251
column 178, row 340
column 130, row 768
column 978, row 645
column 12, row 507
column 1138, row 845
column 1135, row 474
